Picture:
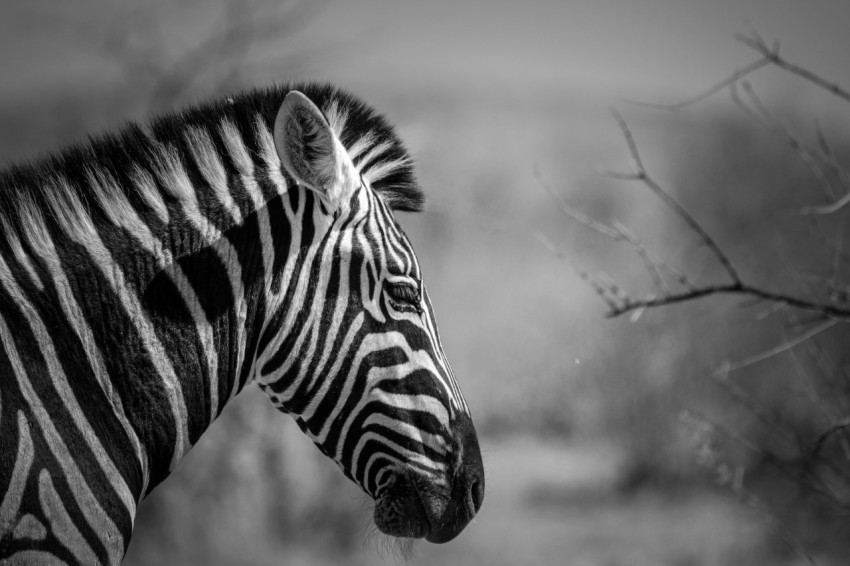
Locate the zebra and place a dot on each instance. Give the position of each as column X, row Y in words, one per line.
column 150, row 274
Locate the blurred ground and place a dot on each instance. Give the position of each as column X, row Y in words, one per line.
column 548, row 502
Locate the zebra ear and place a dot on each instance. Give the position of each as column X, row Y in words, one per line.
column 309, row 149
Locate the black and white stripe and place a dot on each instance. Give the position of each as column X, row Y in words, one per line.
column 148, row 275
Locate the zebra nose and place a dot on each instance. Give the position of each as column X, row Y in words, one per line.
column 475, row 496
column 467, row 489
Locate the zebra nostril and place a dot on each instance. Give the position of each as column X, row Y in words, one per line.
column 476, row 493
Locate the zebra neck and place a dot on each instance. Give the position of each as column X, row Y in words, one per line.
column 150, row 322
column 206, row 273
column 165, row 333
column 217, row 307
column 149, row 285
column 307, row 296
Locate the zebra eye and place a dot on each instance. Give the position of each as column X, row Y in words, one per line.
column 403, row 296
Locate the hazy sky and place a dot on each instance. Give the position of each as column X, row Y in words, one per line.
column 599, row 46
column 594, row 43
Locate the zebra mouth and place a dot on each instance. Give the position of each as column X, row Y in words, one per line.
column 401, row 510
column 411, row 506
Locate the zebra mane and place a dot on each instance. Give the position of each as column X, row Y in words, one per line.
column 371, row 141
column 141, row 167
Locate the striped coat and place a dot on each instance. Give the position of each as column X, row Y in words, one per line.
column 148, row 276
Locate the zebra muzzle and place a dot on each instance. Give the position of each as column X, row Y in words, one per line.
column 467, row 492
column 413, row 506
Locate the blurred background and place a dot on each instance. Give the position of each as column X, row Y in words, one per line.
column 607, row 441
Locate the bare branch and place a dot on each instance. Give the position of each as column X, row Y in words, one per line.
column 838, row 313
column 826, row 309
column 832, row 311
column 571, row 212
column 827, row 208
column 817, row 160
column 710, row 91
column 814, row 159
column 680, row 210
column 620, row 233
column 772, row 55
column 640, row 170
column 781, row 348
column 825, row 148
column 652, row 264
column 769, row 56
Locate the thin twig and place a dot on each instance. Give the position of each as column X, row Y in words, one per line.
column 653, row 265
column 814, row 159
column 827, row 208
column 836, row 261
column 831, row 311
column 710, row 91
column 772, row 309
column 826, row 151
column 642, row 175
column 825, row 148
column 737, row 286
column 620, row 233
column 772, row 55
column 781, row 348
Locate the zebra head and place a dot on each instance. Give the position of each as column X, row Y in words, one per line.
column 351, row 348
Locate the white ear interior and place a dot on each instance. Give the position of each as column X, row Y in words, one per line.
column 308, row 148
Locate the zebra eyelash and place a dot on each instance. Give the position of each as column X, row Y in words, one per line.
column 403, row 296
